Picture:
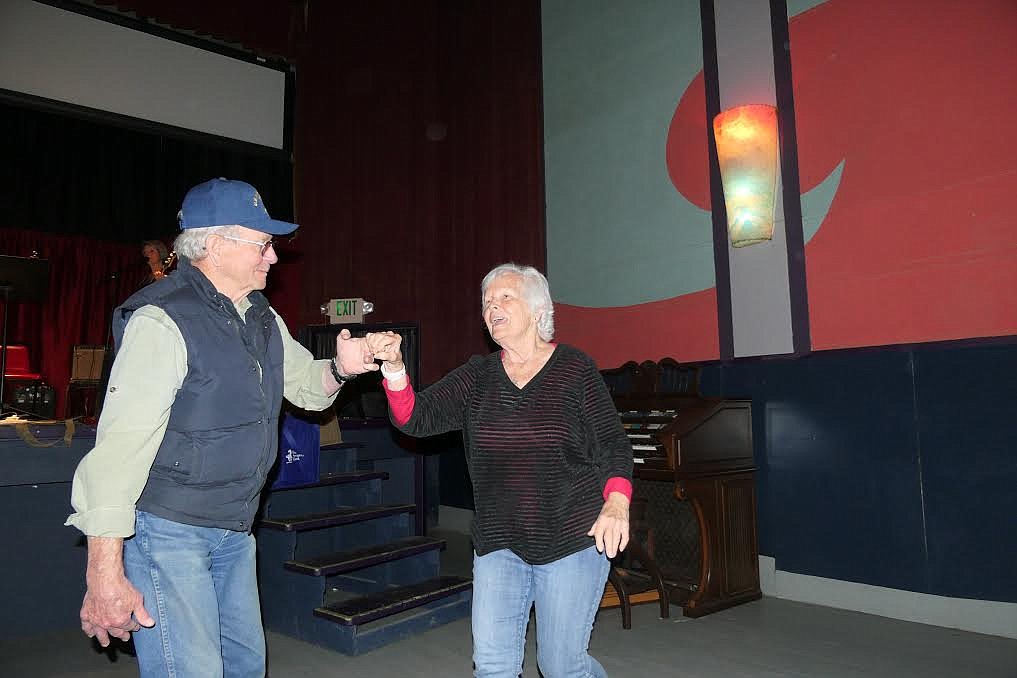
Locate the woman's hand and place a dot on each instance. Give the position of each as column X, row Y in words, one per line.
column 386, row 346
column 611, row 531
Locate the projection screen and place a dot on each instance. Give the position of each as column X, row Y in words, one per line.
column 65, row 56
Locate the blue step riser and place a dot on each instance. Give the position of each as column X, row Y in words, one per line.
column 399, row 486
column 354, row 535
column 352, row 640
column 274, row 548
column 386, row 575
column 323, row 499
column 286, row 601
column 338, row 461
column 288, row 598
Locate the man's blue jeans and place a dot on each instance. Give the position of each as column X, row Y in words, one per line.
column 566, row 594
column 201, row 587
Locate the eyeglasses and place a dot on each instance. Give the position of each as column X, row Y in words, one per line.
column 264, row 245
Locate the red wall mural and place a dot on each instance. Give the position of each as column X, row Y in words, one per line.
column 920, row 242
column 684, row 327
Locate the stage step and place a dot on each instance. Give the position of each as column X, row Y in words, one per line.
column 356, row 611
column 347, row 561
column 345, row 445
column 343, row 516
column 337, row 479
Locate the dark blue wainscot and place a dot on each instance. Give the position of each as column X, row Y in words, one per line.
column 42, row 566
column 894, row 467
column 344, row 562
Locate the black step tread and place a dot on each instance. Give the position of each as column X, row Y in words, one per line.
column 337, row 479
column 346, row 561
column 342, row 516
column 342, row 446
column 392, row 601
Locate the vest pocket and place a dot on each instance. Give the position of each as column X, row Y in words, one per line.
column 227, row 455
column 177, row 458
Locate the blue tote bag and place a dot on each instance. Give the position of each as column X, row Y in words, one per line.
column 299, row 451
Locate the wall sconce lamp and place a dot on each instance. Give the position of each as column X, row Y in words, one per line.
column 747, row 151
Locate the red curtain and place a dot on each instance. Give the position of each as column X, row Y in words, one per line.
column 87, row 278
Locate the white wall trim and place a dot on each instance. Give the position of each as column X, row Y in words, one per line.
column 978, row 616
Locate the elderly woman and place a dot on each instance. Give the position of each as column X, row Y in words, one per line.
column 551, row 471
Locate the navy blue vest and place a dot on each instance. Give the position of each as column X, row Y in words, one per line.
column 222, row 436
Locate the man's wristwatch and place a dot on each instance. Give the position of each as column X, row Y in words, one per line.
column 335, row 373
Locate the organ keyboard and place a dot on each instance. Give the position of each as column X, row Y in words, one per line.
column 640, row 428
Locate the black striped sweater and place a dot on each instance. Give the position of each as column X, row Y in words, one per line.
column 539, row 456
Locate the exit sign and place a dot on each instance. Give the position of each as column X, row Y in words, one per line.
column 343, row 311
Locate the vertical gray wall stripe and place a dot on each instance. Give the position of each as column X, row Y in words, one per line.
column 761, row 317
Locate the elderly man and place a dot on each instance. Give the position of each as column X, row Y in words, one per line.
column 187, row 436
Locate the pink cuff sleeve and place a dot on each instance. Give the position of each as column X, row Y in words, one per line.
column 400, row 402
column 617, row 484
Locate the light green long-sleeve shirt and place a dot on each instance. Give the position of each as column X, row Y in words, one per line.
column 149, row 370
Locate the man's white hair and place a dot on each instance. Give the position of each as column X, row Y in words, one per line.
column 190, row 244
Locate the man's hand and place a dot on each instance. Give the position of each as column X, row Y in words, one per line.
column 352, row 355
column 611, row 531
column 112, row 606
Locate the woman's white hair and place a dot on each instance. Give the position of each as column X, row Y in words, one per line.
column 190, row 244
column 535, row 292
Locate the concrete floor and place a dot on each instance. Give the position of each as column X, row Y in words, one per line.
column 767, row 638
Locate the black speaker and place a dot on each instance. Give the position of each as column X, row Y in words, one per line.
column 36, row 398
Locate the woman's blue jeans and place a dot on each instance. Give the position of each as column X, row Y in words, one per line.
column 201, row 586
column 566, row 594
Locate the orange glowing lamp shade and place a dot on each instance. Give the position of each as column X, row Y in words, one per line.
column 747, row 150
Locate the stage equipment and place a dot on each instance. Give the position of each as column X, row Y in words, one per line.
column 37, row 398
column 22, row 279
column 86, row 363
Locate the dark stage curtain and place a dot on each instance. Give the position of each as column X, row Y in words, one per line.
column 67, row 175
column 86, row 279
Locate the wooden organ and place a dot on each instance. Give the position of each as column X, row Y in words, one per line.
column 694, row 482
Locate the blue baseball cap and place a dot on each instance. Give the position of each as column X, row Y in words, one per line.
column 222, row 202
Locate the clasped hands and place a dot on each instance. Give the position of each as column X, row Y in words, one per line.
column 356, row 355
column 386, row 346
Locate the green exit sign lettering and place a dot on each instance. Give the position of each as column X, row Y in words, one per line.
column 345, row 311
